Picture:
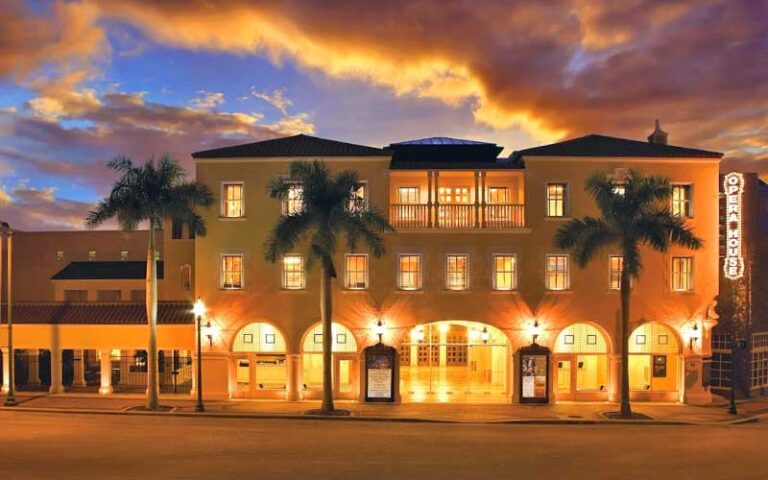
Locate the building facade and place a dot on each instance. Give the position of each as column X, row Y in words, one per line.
column 469, row 282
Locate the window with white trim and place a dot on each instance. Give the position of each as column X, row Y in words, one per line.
column 408, row 195
column 294, row 274
column 232, row 200
column 682, row 274
column 556, row 196
column 409, row 272
column 681, row 201
column 557, row 272
column 356, row 272
column 359, row 200
column 232, row 271
column 504, row 272
column 457, row 272
column 294, row 202
column 615, row 264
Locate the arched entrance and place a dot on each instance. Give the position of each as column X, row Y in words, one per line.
column 454, row 361
column 654, row 362
column 345, row 362
column 258, row 353
column 581, row 363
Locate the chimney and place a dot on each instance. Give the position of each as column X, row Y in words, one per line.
column 658, row 136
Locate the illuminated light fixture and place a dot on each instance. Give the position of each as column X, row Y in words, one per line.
column 693, row 335
column 535, row 331
column 444, row 327
column 473, row 334
column 484, row 335
column 211, row 331
column 733, row 265
column 379, row 329
column 418, row 335
column 199, row 308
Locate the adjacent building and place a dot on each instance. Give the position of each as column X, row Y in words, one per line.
column 470, row 281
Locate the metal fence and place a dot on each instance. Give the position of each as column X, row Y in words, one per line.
column 129, row 372
column 32, row 370
column 80, row 370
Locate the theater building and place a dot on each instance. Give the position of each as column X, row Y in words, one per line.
column 478, row 303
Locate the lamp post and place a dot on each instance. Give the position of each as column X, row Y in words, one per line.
column 735, row 346
column 10, row 399
column 199, row 311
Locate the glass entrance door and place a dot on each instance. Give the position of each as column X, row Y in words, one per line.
column 344, row 375
column 564, row 377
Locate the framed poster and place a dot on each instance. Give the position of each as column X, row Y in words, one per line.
column 380, row 374
column 534, row 374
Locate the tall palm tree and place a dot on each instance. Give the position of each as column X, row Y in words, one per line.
column 632, row 214
column 331, row 209
column 152, row 192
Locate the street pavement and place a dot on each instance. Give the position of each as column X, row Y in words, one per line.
column 39, row 445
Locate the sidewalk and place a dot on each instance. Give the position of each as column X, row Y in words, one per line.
column 435, row 412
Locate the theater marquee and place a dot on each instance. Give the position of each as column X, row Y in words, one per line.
column 733, row 186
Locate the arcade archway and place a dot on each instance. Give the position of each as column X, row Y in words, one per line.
column 581, row 362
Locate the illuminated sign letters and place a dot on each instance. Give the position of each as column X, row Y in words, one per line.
column 733, row 186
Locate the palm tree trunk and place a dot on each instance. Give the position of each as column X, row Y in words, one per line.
column 326, row 314
column 625, row 409
column 153, row 388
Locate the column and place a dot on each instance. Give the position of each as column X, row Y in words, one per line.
column 6, row 370
column 56, row 374
column 33, row 373
column 78, row 367
column 106, row 372
column 614, row 379
column 483, row 200
column 477, row 199
column 429, row 198
column 293, row 373
column 437, row 198
column 694, row 392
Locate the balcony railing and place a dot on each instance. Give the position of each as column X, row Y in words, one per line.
column 460, row 216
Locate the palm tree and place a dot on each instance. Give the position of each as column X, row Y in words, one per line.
column 152, row 192
column 331, row 209
column 632, row 214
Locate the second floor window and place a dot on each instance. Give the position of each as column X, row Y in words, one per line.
column 108, row 295
column 615, row 264
column 504, row 272
column 681, row 201
column 457, row 272
column 186, row 277
column 294, row 203
column 558, row 273
column 409, row 272
column 294, row 277
column 177, row 229
column 356, row 272
column 75, row 295
column 232, row 195
column 682, row 274
column 556, row 197
column 232, row 272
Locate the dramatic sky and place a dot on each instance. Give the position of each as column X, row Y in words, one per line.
column 83, row 81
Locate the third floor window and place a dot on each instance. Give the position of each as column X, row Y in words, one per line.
column 408, row 195
column 681, row 201
column 232, row 204
column 294, row 202
column 556, row 198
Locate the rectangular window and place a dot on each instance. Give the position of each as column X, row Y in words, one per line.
column 138, row 296
column 108, row 296
column 59, row 255
column 186, row 278
column 682, row 274
column 75, row 295
column 91, row 255
column 294, row 277
column 123, row 255
column 294, row 203
column 498, row 195
column 359, row 200
column 457, row 272
column 356, row 272
column 177, row 229
column 409, row 274
column 458, row 195
column 232, row 272
column 504, row 272
column 408, row 195
column 681, row 201
column 556, row 193
column 615, row 264
column 232, row 200
column 558, row 274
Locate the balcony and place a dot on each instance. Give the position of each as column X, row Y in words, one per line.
column 462, row 216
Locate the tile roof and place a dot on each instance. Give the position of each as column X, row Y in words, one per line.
column 295, row 146
column 604, row 146
column 442, row 141
column 168, row 313
column 118, row 270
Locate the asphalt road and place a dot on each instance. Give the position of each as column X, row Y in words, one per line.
column 45, row 445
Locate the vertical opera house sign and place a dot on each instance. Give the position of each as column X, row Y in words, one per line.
column 733, row 186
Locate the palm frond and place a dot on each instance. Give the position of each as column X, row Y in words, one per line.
column 585, row 238
column 285, row 235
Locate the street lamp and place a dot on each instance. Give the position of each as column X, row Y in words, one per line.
column 10, row 399
column 736, row 344
column 199, row 311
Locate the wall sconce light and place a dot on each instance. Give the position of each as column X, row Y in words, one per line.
column 694, row 335
column 379, row 329
column 418, row 335
column 535, row 331
column 484, row 335
column 211, row 331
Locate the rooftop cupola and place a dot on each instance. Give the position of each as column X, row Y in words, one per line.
column 658, row 136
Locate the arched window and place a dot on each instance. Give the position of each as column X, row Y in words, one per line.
column 259, row 337
column 581, row 338
column 260, row 365
column 312, row 359
column 581, row 356
column 343, row 340
column 654, row 358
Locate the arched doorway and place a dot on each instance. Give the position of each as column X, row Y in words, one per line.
column 581, row 363
column 345, row 362
column 454, row 361
column 654, row 362
column 258, row 353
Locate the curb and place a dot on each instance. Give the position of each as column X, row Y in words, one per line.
column 175, row 412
